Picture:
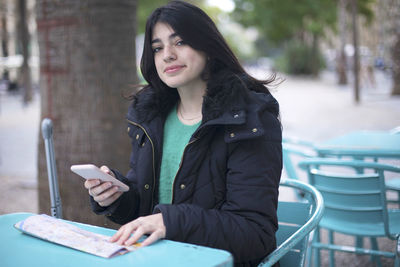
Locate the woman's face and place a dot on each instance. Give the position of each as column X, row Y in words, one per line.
column 178, row 65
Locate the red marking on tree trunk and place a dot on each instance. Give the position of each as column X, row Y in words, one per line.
column 46, row 25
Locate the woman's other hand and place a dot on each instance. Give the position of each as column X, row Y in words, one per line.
column 153, row 225
column 103, row 193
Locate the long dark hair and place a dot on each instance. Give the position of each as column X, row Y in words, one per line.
column 197, row 29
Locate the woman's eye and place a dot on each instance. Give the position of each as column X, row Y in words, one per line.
column 179, row 43
column 156, row 49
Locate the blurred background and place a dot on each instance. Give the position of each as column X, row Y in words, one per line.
column 338, row 62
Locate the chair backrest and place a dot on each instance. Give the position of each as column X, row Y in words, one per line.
column 47, row 132
column 292, row 147
column 350, row 196
column 296, row 221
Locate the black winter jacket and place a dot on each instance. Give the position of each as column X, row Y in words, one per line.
column 225, row 192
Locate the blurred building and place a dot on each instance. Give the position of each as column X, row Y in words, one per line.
column 379, row 36
column 10, row 52
column 376, row 37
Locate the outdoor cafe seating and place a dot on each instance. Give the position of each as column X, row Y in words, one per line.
column 361, row 145
column 339, row 203
column 355, row 204
column 297, row 219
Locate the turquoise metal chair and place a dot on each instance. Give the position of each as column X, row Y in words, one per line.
column 355, row 204
column 47, row 132
column 294, row 150
column 392, row 184
column 296, row 221
column 292, row 147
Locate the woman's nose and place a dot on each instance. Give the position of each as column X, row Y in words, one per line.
column 169, row 54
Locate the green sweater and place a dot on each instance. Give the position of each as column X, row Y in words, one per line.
column 176, row 137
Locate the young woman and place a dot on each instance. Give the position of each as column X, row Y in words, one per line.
column 206, row 145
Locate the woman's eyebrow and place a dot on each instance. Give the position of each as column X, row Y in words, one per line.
column 158, row 40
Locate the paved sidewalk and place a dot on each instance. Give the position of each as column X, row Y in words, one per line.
column 310, row 109
column 19, row 129
column 319, row 109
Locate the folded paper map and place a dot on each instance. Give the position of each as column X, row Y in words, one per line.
column 66, row 234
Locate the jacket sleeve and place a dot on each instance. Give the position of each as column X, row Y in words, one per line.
column 246, row 223
column 123, row 209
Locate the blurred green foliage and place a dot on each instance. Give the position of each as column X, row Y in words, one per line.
column 294, row 28
column 146, row 7
column 280, row 21
column 296, row 59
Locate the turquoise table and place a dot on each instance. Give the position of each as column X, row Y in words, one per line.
column 18, row 249
column 375, row 144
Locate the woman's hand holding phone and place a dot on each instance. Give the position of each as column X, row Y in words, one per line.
column 104, row 193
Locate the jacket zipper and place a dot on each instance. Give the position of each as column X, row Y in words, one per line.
column 180, row 165
column 154, row 168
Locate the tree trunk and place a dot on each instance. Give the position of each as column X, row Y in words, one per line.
column 396, row 66
column 87, row 57
column 341, row 65
column 356, row 63
column 395, row 22
column 4, row 42
column 315, row 60
column 25, row 72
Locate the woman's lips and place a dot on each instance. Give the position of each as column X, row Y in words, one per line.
column 173, row 69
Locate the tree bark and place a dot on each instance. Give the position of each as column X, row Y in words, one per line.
column 87, row 57
column 356, row 63
column 341, row 65
column 395, row 22
column 315, row 60
column 396, row 66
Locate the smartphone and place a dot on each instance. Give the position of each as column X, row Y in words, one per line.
column 90, row 171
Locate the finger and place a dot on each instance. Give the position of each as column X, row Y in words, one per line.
column 117, row 235
column 97, row 190
column 106, row 194
column 153, row 238
column 106, row 170
column 139, row 232
column 110, row 200
column 91, row 183
column 128, row 229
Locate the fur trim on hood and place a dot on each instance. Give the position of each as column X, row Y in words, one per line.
column 226, row 92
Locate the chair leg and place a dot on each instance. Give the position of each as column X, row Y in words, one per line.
column 374, row 246
column 331, row 252
column 317, row 251
column 310, row 249
column 359, row 242
column 398, row 198
column 397, row 251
